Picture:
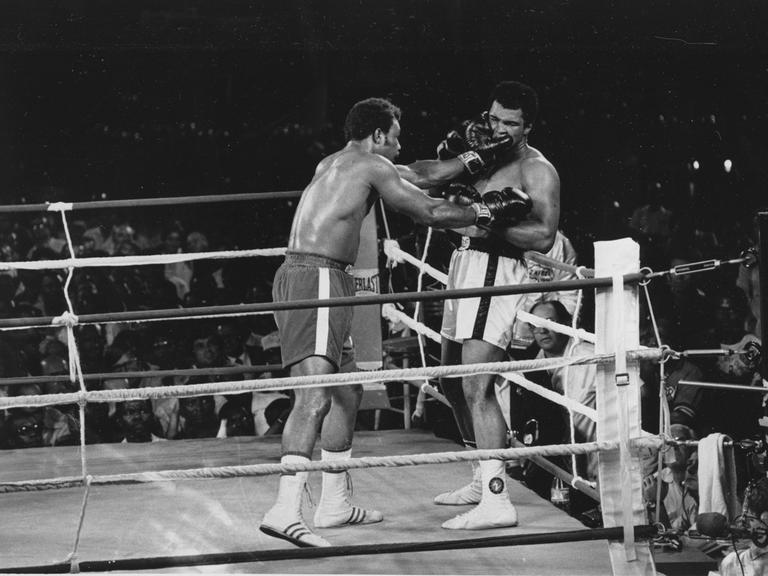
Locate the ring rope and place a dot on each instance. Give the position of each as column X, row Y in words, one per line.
column 324, row 380
column 138, row 260
column 144, row 202
column 652, row 442
column 579, row 271
column 540, row 322
column 551, row 395
column 220, row 558
column 181, row 372
column 397, row 256
column 247, row 308
column 389, row 312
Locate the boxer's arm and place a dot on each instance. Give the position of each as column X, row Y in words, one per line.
column 431, row 173
column 406, row 198
column 537, row 232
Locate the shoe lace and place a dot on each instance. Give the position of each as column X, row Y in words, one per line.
column 307, row 495
column 350, row 487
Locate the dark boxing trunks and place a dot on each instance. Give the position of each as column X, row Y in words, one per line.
column 315, row 331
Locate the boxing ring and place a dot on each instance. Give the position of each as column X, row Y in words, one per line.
column 198, row 503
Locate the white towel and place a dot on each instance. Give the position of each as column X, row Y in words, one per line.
column 717, row 477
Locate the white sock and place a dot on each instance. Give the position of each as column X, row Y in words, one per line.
column 334, row 492
column 494, row 480
column 291, row 485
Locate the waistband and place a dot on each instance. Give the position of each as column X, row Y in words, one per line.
column 494, row 246
column 315, row 261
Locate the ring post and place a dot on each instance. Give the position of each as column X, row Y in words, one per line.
column 618, row 406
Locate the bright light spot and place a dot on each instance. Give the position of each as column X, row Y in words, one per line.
column 696, row 165
column 728, row 165
column 616, row 204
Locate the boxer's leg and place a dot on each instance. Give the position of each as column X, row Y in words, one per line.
column 284, row 520
column 453, row 390
column 335, row 507
column 495, row 508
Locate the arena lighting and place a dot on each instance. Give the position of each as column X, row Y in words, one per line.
column 727, row 165
column 696, row 165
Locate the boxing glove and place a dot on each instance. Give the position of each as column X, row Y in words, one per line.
column 506, row 206
column 451, row 146
column 484, row 149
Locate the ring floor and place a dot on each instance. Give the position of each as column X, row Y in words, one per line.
column 222, row 515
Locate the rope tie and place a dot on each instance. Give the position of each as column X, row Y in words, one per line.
column 67, row 319
column 59, row 206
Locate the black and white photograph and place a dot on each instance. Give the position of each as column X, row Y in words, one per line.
column 440, row 287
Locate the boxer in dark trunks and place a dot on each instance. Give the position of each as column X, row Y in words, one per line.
column 323, row 244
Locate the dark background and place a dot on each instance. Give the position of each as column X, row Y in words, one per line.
column 131, row 99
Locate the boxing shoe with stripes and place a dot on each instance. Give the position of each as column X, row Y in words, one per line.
column 296, row 533
column 284, row 520
column 335, row 508
column 327, row 518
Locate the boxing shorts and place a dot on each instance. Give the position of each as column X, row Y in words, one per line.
column 309, row 332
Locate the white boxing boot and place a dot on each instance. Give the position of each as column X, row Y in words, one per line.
column 284, row 519
column 335, row 508
column 495, row 510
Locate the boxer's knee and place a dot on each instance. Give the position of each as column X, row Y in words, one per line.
column 312, row 404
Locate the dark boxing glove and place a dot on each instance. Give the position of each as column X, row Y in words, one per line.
column 451, row 146
column 504, row 206
column 462, row 194
column 484, row 149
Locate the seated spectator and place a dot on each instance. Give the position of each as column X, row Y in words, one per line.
column 197, row 417
column 752, row 560
column 575, row 382
column 679, row 485
column 134, row 421
column 562, row 250
column 61, row 423
column 22, row 429
column 236, row 420
column 122, row 233
column 46, row 246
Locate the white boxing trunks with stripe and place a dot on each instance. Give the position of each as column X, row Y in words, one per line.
column 484, row 318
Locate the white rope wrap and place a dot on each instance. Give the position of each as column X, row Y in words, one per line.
column 138, row 260
column 66, row 318
column 545, row 260
column 60, row 206
column 392, row 314
column 540, row 322
column 330, row 465
column 325, row 380
column 551, row 395
column 395, row 254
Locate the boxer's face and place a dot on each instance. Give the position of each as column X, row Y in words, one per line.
column 388, row 145
column 507, row 123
